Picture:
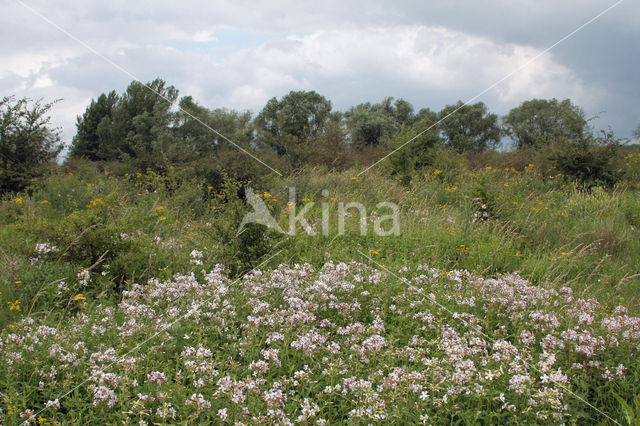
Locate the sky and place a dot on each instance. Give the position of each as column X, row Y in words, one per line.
column 239, row 54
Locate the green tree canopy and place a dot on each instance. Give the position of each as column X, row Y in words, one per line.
column 135, row 126
column 374, row 124
column 469, row 127
column 540, row 121
column 87, row 142
column 198, row 139
column 27, row 141
column 294, row 119
column 415, row 146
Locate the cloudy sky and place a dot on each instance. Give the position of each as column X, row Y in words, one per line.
column 238, row 54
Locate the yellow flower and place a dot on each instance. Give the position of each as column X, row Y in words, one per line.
column 374, row 252
column 266, row 195
column 163, row 218
column 79, row 297
column 44, row 202
column 95, row 202
column 354, row 177
column 159, row 208
column 289, row 203
column 18, row 282
column 437, row 172
column 518, row 254
column 18, row 200
column 451, row 188
column 14, row 306
column 42, row 420
column 306, row 199
column 209, row 187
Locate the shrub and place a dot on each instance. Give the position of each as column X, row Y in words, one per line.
column 27, row 142
column 589, row 162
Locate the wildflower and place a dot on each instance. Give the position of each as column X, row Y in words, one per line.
column 222, row 413
column 84, row 277
column 354, row 178
column 53, row 404
column 78, row 297
column 209, row 187
column 18, row 282
column 196, row 257
column 162, row 218
column 266, row 195
column 437, row 172
column 374, row 252
column 95, row 202
column 157, row 377
column 44, row 201
column 18, row 200
column 451, row 188
column 14, row 306
column 159, row 208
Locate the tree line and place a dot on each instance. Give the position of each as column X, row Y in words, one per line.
column 149, row 126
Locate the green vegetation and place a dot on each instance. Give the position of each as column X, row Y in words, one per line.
column 510, row 293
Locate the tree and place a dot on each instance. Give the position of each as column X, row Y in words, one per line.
column 414, row 147
column 636, row 132
column 294, row 119
column 87, row 142
column 469, row 127
column 198, row 139
column 135, row 126
column 374, row 124
column 538, row 122
column 141, row 122
column 27, row 141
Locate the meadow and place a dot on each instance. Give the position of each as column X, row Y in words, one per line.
column 509, row 295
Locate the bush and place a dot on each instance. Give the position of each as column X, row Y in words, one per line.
column 589, row 162
column 27, row 142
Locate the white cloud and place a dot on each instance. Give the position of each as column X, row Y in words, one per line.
column 430, row 53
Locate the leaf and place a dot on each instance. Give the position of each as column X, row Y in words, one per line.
column 626, row 409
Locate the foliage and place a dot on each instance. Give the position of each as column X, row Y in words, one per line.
column 374, row 124
column 94, row 256
column 202, row 131
column 93, row 127
column 414, row 148
column 591, row 162
column 469, row 127
column 27, row 142
column 539, row 122
column 296, row 117
column 132, row 127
